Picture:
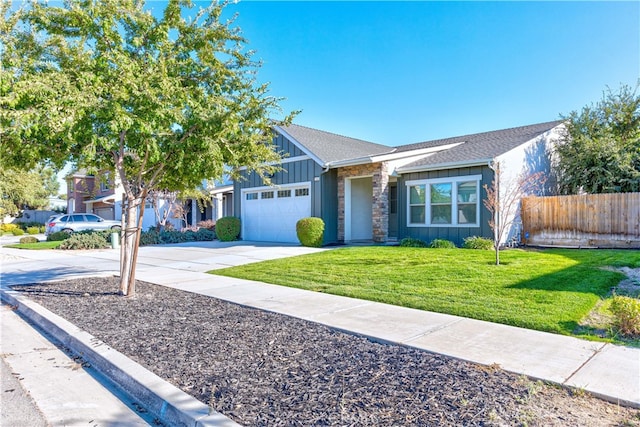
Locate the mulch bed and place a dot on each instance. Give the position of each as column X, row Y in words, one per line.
column 261, row 368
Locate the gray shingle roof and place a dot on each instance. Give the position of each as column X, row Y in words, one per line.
column 329, row 147
column 477, row 147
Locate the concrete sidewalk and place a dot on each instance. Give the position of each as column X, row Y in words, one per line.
column 609, row 371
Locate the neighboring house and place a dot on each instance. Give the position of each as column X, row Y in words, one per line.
column 102, row 195
column 370, row 192
column 88, row 193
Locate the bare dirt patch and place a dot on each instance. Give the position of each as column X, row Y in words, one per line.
column 261, row 368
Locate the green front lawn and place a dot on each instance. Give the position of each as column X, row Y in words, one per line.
column 36, row 246
column 548, row 290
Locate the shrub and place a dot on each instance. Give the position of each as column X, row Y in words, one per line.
column 228, row 228
column 33, row 230
column 26, row 225
column 29, row 239
column 87, row 240
column 627, row 315
column 151, row 237
column 410, row 242
column 310, row 231
column 476, row 242
column 204, row 235
column 442, row 244
column 8, row 227
column 168, row 237
column 58, row 236
column 17, row 232
column 208, row 224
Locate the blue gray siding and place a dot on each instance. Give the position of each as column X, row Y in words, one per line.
column 455, row 234
column 324, row 198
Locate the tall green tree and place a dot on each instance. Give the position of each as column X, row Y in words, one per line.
column 600, row 150
column 26, row 189
column 164, row 101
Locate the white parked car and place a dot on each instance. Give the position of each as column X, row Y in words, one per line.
column 80, row 222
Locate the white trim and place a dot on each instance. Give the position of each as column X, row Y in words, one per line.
column 454, row 201
column 218, row 190
column 450, row 165
column 416, row 152
column 283, row 161
column 347, row 204
column 101, row 199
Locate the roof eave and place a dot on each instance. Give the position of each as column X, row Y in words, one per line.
column 440, row 166
column 298, row 144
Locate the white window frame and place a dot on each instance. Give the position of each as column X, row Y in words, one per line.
column 454, row 181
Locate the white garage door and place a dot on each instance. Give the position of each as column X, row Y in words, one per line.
column 271, row 214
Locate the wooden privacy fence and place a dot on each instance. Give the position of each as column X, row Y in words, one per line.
column 592, row 220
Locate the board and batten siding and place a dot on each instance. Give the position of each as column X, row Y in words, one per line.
column 324, row 198
column 455, row 234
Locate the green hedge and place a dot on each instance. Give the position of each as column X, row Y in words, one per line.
column 58, row 236
column 475, row 242
column 310, row 231
column 29, row 239
column 88, row 240
column 228, row 228
column 410, row 242
column 442, row 244
column 153, row 237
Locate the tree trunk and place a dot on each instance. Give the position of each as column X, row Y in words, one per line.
column 130, row 244
column 497, row 254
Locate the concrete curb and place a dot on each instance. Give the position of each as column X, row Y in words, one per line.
column 167, row 403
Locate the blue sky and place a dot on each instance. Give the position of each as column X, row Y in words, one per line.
column 402, row 72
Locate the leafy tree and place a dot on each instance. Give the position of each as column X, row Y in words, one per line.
column 165, row 102
column 22, row 189
column 600, row 150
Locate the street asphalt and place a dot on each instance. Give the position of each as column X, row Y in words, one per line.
column 605, row 370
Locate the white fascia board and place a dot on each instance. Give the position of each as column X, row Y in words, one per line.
column 408, row 156
column 103, row 199
column 451, row 165
column 297, row 143
column 413, row 153
column 282, row 161
column 222, row 189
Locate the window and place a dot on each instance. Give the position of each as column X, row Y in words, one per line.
column 252, row 196
column 302, row 192
column 417, row 207
column 467, row 202
column 104, row 183
column 441, row 203
column 266, row 195
column 284, row 193
column 452, row 202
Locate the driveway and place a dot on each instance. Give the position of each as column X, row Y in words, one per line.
column 26, row 266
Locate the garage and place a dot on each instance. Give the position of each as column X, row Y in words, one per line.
column 270, row 214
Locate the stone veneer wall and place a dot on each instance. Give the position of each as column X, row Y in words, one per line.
column 380, row 207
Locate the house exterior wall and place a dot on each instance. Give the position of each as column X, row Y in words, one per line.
column 295, row 171
column 525, row 161
column 80, row 188
column 380, row 199
column 329, row 205
column 454, row 233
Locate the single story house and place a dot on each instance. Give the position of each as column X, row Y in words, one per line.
column 371, row 192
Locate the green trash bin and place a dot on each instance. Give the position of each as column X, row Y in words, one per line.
column 115, row 240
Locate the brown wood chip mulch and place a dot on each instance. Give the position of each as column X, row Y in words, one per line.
column 265, row 369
